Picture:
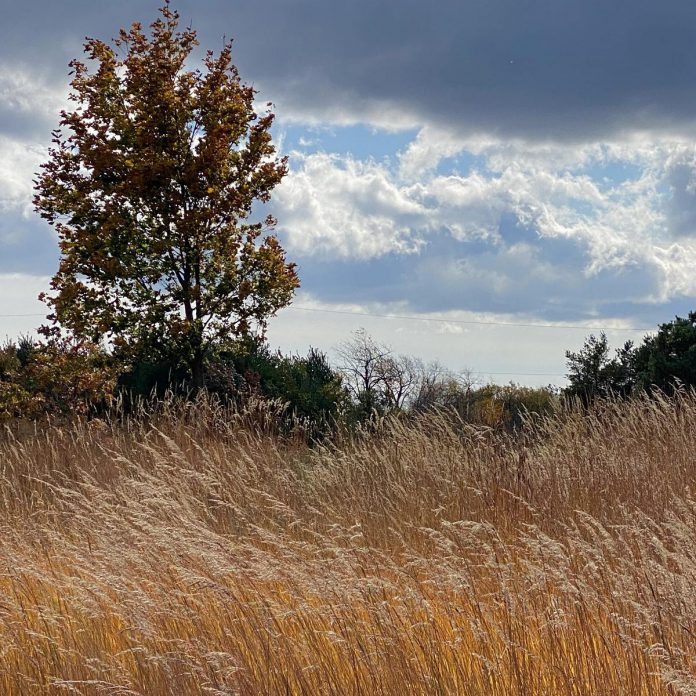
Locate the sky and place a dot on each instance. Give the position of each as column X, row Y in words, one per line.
column 477, row 182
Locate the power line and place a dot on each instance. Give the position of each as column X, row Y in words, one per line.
column 519, row 374
column 21, row 315
column 475, row 322
column 455, row 321
column 478, row 322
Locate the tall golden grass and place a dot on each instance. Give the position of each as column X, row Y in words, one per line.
column 197, row 552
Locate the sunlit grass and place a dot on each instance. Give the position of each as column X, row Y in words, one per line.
column 199, row 553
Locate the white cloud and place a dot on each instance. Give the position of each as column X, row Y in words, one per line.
column 643, row 218
column 348, row 208
column 332, row 107
column 19, row 162
column 24, row 92
column 429, row 148
column 29, row 109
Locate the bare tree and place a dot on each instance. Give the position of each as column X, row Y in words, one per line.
column 440, row 387
column 360, row 360
column 431, row 386
column 401, row 375
column 375, row 376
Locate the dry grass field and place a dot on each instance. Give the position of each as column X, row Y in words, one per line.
column 201, row 554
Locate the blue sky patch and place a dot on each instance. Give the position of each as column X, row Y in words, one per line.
column 358, row 141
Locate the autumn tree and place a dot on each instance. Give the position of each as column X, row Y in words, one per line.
column 150, row 185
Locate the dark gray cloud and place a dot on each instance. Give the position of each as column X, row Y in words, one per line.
column 569, row 69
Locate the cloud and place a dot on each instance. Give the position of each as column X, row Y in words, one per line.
column 552, row 167
column 427, row 150
column 346, row 207
column 572, row 71
column 533, row 228
column 19, row 162
column 680, row 177
column 581, row 70
column 30, row 103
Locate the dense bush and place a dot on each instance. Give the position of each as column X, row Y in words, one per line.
column 663, row 361
column 76, row 378
column 59, row 378
column 311, row 389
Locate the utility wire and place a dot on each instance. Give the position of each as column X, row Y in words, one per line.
column 21, row 315
column 455, row 321
column 520, row 374
column 475, row 322
column 479, row 322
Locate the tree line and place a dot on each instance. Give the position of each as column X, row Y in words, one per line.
column 368, row 381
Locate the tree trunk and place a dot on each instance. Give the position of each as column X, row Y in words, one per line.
column 197, row 374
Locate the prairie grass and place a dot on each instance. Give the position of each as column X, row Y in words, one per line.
column 199, row 552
